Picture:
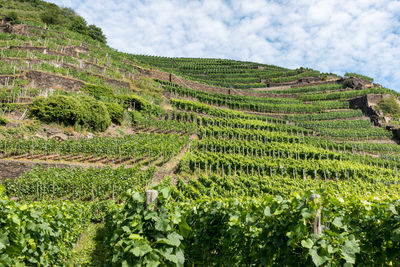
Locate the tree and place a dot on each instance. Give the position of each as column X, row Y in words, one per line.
column 50, row 16
column 96, row 33
column 79, row 25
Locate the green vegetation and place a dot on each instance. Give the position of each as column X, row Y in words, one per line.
column 369, row 79
column 49, row 13
column 129, row 147
column 39, row 233
column 140, row 236
column 98, row 91
column 72, row 111
column 77, row 184
column 234, row 167
column 389, row 106
column 116, row 112
column 3, row 121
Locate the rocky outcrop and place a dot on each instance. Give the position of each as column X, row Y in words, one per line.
column 358, row 83
column 368, row 105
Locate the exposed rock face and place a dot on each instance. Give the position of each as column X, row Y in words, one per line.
column 368, row 104
column 359, row 84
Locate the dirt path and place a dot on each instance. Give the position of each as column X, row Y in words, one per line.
column 169, row 168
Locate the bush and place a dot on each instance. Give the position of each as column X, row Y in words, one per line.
column 49, row 16
column 95, row 114
column 135, row 102
column 98, row 91
column 116, row 112
column 12, row 17
column 136, row 117
column 3, row 121
column 72, row 111
column 389, row 106
column 59, row 109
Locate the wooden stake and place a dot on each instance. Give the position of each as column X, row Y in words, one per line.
column 151, row 196
column 317, row 227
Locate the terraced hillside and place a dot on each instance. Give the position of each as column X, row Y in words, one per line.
column 254, row 164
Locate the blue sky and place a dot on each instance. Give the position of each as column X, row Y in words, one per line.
column 336, row 36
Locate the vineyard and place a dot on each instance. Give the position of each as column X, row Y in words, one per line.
column 115, row 159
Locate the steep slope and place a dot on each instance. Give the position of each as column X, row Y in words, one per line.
column 235, row 150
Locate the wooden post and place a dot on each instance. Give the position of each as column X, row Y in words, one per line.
column 53, row 190
column 73, row 191
column 317, row 228
column 151, row 196
column 92, row 193
column 113, row 192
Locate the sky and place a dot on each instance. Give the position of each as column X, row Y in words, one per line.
column 337, row 36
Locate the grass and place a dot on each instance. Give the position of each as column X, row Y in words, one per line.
column 90, row 250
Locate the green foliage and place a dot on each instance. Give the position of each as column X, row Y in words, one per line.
column 39, row 234
column 135, row 102
column 347, row 94
column 100, row 209
column 76, row 183
column 98, row 91
column 72, row 110
column 136, row 117
column 3, row 121
column 389, row 106
column 325, row 116
column 12, row 17
column 94, row 114
column 59, row 109
column 369, row 79
column 146, row 236
column 51, row 15
column 79, row 25
column 96, row 33
column 127, row 147
column 116, row 112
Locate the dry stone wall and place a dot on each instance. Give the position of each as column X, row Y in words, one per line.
column 39, row 79
column 15, row 168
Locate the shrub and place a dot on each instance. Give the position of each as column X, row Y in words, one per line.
column 134, row 101
column 12, row 17
column 98, row 91
column 59, row 109
column 136, row 117
column 116, row 112
column 71, row 110
column 389, row 106
column 3, row 121
column 49, row 16
column 95, row 114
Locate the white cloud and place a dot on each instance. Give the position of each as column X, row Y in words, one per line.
column 331, row 36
